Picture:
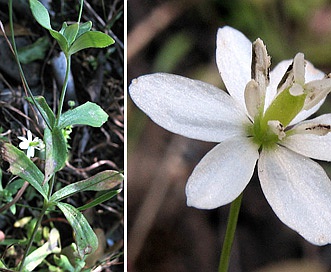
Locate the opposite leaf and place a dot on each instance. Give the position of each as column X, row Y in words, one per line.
column 70, row 33
column 105, row 180
column 36, row 257
column 84, row 27
column 95, row 39
column 40, row 13
column 86, row 240
column 23, row 167
column 45, row 109
column 87, row 114
column 56, row 151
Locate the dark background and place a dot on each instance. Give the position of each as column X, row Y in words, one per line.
column 179, row 37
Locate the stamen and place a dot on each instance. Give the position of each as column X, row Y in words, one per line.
column 277, row 128
column 260, row 64
column 256, row 88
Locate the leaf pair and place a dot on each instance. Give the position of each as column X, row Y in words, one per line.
column 56, row 148
column 23, row 167
column 71, row 38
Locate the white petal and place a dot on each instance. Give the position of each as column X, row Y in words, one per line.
column 234, row 58
column 299, row 192
column 29, row 136
column 311, row 145
column 30, row 152
column 24, row 144
column 222, row 174
column 188, row 107
column 312, row 73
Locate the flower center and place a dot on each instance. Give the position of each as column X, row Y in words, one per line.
column 268, row 128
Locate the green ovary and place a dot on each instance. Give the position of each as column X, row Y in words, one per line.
column 283, row 109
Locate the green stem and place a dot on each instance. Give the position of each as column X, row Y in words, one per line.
column 80, row 10
column 51, row 186
column 229, row 234
column 25, row 83
column 63, row 91
column 26, row 252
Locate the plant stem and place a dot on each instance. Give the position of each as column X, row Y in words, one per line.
column 14, row 49
column 229, row 234
column 51, row 186
column 35, row 229
column 80, row 10
column 63, row 91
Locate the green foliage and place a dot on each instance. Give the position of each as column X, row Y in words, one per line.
column 87, row 114
column 6, row 194
column 36, row 257
column 71, row 38
column 86, row 240
column 105, row 180
column 35, row 51
column 100, row 199
column 22, row 166
column 56, row 152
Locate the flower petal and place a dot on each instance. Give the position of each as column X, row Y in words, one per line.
column 24, row 144
column 30, row 152
column 299, row 191
column 234, row 58
column 222, row 174
column 188, row 107
column 29, row 134
column 311, row 145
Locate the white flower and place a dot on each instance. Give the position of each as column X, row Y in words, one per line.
column 261, row 121
column 30, row 145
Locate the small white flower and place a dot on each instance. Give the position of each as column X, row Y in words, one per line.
column 261, row 121
column 30, row 145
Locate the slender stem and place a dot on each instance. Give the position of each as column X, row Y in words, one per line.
column 229, row 234
column 63, row 91
column 14, row 49
column 26, row 252
column 80, row 10
column 51, row 186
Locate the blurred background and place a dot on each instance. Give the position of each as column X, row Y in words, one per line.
column 179, row 37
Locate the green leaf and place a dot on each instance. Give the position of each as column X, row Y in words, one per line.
column 100, row 199
column 86, row 240
column 84, row 28
column 56, row 151
column 87, row 114
column 63, row 262
column 45, row 109
column 62, row 41
column 23, row 167
column 40, row 13
column 36, row 257
column 90, row 39
column 105, row 180
column 70, row 33
column 35, row 51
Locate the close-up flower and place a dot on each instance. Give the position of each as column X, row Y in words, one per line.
column 30, row 144
column 260, row 122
